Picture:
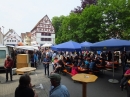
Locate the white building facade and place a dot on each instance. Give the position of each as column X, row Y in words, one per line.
column 1, row 37
column 11, row 38
column 26, row 38
column 43, row 32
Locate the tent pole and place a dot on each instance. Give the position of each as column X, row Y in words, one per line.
column 113, row 80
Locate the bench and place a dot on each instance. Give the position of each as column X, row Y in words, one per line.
column 110, row 67
column 65, row 71
column 94, row 72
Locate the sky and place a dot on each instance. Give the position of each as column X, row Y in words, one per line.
column 23, row 15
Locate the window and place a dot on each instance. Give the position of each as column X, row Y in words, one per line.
column 49, row 39
column 45, row 34
column 2, row 54
column 7, row 40
column 14, row 40
column 40, row 24
column 42, row 34
column 10, row 40
column 45, row 39
column 18, row 40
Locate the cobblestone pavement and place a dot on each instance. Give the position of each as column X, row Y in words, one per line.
column 7, row 89
column 100, row 88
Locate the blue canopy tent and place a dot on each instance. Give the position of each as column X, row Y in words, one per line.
column 110, row 45
column 54, row 48
column 84, row 44
column 67, row 46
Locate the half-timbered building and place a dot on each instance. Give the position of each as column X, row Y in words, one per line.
column 43, row 32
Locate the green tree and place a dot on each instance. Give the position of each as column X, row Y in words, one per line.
column 90, row 25
column 106, row 19
column 56, row 22
column 115, row 18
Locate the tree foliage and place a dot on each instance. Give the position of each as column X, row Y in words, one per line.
column 96, row 21
column 84, row 3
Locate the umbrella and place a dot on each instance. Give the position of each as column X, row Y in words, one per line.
column 20, row 44
column 67, row 46
column 110, row 45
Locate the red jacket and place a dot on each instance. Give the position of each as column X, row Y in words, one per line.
column 9, row 63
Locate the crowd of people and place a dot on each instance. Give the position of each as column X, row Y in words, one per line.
column 60, row 61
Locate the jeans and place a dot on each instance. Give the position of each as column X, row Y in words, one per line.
column 8, row 70
column 46, row 67
column 128, row 90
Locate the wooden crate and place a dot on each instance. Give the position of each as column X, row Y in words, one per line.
column 22, row 58
column 21, row 65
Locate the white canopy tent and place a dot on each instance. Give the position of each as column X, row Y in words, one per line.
column 33, row 43
column 26, row 47
column 46, row 45
column 36, row 45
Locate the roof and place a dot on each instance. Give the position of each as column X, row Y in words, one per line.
column 23, row 35
column 39, row 22
column 10, row 30
column 28, row 34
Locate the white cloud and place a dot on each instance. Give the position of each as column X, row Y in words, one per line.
column 22, row 15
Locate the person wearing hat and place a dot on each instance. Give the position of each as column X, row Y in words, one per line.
column 57, row 90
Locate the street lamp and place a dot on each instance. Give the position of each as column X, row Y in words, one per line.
column 3, row 34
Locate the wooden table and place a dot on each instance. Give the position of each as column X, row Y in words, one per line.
column 129, row 81
column 84, row 78
column 25, row 70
